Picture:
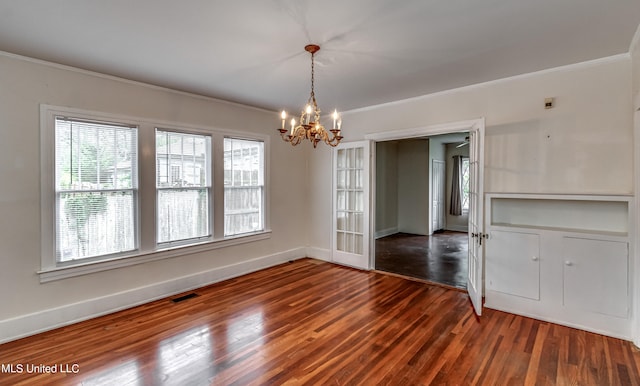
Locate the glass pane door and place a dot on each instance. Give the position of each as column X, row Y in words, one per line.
column 351, row 203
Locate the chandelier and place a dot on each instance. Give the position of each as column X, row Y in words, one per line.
column 309, row 126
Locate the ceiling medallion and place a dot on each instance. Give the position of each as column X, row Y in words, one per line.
column 310, row 127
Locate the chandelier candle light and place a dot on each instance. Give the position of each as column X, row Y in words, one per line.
column 310, row 126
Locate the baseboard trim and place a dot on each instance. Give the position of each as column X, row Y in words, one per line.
column 319, row 253
column 31, row 324
column 457, row 228
column 386, row 232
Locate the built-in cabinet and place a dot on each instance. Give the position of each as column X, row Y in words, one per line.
column 563, row 259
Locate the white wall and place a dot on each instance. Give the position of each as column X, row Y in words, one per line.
column 454, row 223
column 413, row 186
column 635, row 58
column 584, row 145
column 386, row 188
column 24, row 85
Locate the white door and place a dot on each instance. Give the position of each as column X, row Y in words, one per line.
column 351, row 226
column 437, row 184
column 476, row 232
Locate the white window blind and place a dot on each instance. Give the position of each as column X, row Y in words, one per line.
column 243, row 186
column 96, row 188
column 183, row 180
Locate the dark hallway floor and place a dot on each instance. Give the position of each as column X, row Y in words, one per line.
column 441, row 257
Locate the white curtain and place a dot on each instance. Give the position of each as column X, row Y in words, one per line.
column 455, row 209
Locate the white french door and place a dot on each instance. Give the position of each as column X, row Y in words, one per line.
column 351, row 226
column 437, row 205
column 475, row 284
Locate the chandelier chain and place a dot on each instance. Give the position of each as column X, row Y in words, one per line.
column 313, row 94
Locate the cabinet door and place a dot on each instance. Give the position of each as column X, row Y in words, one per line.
column 513, row 263
column 596, row 276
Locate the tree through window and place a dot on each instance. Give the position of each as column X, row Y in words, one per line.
column 96, row 185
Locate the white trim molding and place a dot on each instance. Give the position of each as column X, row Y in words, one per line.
column 386, row 232
column 457, row 228
column 634, row 232
column 416, row 132
column 26, row 325
column 319, row 253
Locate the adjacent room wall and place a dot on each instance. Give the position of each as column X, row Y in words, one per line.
column 386, row 188
column 413, row 186
column 25, row 85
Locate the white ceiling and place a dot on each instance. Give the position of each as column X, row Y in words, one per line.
column 372, row 51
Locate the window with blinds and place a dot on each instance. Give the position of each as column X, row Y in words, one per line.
column 183, row 181
column 243, row 186
column 104, row 205
column 96, row 188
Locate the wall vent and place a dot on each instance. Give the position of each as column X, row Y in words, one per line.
column 185, row 297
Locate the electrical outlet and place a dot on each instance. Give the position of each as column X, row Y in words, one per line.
column 549, row 102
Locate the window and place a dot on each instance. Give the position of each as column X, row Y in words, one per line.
column 109, row 200
column 95, row 188
column 243, row 186
column 183, row 182
column 465, row 184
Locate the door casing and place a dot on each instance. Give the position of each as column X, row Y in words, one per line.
column 445, row 128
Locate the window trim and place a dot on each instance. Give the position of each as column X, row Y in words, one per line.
column 58, row 192
column 209, row 189
column 263, row 186
column 148, row 249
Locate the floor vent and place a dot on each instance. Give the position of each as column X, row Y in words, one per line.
column 185, row 297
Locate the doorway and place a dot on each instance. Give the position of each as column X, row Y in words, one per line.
column 343, row 252
column 417, row 235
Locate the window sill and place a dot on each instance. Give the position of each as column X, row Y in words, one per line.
column 59, row 273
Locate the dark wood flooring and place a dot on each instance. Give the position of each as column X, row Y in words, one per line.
column 315, row 323
column 440, row 258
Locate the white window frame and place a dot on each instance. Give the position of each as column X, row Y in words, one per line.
column 263, row 186
column 148, row 248
column 181, row 172
column 133, row 189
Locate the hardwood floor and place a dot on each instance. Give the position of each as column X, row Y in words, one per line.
column 311, row 322
column 440, row 258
